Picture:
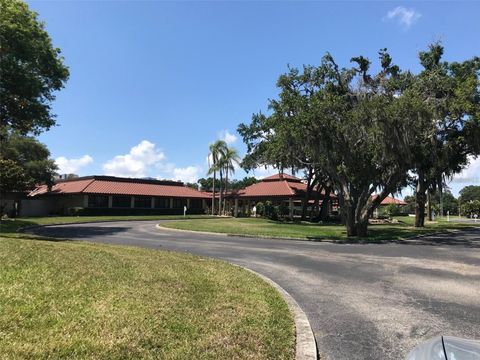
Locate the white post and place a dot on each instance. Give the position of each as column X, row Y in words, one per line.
column 448, row 215
column 184, row 210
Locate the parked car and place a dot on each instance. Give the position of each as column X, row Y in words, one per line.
column 446, row 348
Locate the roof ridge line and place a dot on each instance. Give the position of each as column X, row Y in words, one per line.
column 293, row 192
column 86, row 186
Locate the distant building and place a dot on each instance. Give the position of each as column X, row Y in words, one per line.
column 280, row 189
column 104, row 195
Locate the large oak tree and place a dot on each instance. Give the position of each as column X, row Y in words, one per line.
column 355, row 126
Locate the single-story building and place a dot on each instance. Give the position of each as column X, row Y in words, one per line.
column 110, row 195
column 115, row 195
column 279, row 189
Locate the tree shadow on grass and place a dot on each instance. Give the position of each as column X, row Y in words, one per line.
column 76, row 232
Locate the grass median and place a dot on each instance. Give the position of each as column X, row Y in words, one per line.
column 74, row 299
column 305, row 230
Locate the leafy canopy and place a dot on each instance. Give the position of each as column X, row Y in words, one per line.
column 31, row 70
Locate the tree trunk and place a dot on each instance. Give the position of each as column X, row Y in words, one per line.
column 225, row 197
column 420, row 198
column 221, row 193
column 315, row 210
column 362, row 227
column 326, row 199
column 441, row 201
column 350, row 220
column 213, row 194
column 307, row 195
column 429, row 205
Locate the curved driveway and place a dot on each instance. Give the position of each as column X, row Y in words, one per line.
column 363, row 301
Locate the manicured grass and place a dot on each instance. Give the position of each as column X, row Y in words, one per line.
column 72, row 299
column 11, row 225
column 305, row 230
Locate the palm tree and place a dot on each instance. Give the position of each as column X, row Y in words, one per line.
column 227, row 163
column 217, row 150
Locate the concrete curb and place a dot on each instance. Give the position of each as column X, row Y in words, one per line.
column 305, row 345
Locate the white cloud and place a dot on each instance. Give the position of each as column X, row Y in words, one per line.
column 263, row 172
column 71, row 166
column 471, row 174
column 226, row 136
column 405, row 17
column 137, row 162
column 186, row 174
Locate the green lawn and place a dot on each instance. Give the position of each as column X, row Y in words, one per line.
column 305, row 230
column 73, row 299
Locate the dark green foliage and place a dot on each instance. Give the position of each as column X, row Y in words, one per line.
column 12, row 176
column 31, row 70
column 207, row 183
column 364, row 132
column 243, row 183
column 410, row 207
column 471, row 208
column 270, row 211
column 260, row 208
column 450, row 131
column 447, row 200
column 393, row 210
column 469, row 193
column 192, row 185
column 26, row 163
column 330, row 121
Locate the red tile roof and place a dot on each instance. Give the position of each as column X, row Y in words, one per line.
column 390, row 200
column 120, row 186
column 279, row 185
column 268, row 188
column 282, row 176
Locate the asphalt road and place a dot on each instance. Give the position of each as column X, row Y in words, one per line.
column 363, row 301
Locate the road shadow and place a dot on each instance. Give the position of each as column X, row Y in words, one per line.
column 76, row 232
column 468, row 237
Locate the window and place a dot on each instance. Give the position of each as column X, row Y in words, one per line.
column 143, row 202
column 121, row 201
column 179, row 203
column 162, row 203
column 196, row 203
column 98, row 201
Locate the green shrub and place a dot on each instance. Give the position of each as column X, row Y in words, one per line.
column 393, row 210
column 75, row 211
column 270, row 211
column 260, row 209
column 471, row 208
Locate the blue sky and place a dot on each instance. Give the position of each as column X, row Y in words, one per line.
column 153, row 83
